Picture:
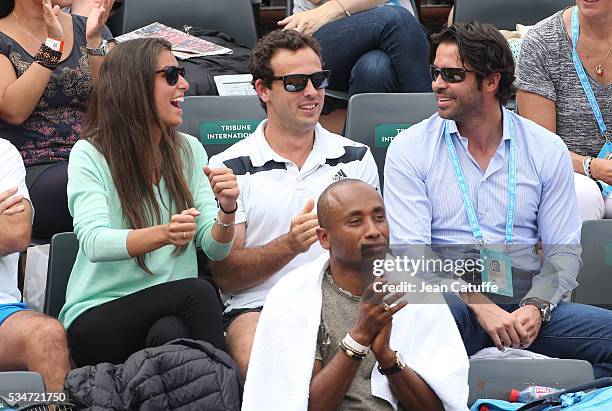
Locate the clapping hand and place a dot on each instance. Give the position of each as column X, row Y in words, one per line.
column 52, row 23
column 374, row 317
column 182, row 227
column 97, row 19
column 303, row 230
column 224, row 186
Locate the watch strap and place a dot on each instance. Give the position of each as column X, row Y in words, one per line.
column 98, row 51
column 544, row 307
column 397, row 367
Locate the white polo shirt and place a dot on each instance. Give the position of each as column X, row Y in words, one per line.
column 12, row 174
column 273, row 191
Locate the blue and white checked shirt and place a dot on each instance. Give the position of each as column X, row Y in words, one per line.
column 424, row 204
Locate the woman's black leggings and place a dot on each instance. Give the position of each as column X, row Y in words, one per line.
column 47, row 188
column 111, row 332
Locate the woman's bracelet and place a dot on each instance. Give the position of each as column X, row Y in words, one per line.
column 227, row 212
column 223, row 225
column 586, row 166
column 345, row 10
column 47, row 57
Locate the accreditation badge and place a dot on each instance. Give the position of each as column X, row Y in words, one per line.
column 497, row 271
column 606, row 154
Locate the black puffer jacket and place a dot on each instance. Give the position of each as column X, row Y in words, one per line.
column 181, row 375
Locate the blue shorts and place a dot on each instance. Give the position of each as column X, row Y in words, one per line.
column 8, row 309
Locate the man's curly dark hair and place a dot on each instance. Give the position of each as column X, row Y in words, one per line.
column 484, row 49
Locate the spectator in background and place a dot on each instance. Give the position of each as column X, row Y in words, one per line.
column 281, row 170
column 48, row 60
column 552, row 94
column 368, row 48
column 28, row 340
column 141, row 203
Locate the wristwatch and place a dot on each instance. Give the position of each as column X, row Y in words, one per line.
column 98, row 51
column 397, row 367
column 542, row 305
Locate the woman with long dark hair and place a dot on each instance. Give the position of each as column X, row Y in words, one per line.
column 141, row 201
column 48, row 60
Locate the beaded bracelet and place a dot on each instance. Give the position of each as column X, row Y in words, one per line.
column 47, row 57
column 586, row 165
column 223, row 225
column 351, row 353
column 354, row 345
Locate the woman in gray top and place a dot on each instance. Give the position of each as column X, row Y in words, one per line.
column 552, row 94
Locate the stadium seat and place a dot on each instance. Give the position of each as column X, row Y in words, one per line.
column 375, row 118
column 595, row 277
column 289, row 8
column 206, row 117
column 504, row 14
column 494, row 378
column 62, row 253
column 21, row 381
column 337, row 94
column 233, row 17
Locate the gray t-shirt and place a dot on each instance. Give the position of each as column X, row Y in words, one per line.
column 546, row 68
column 338, row 314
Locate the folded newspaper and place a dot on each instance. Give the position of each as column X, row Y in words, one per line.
column 184, row 45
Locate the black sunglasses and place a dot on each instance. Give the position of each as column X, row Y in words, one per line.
column 449, row 74
column 297, row 82
column 172, row 74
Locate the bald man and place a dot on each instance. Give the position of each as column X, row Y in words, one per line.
column 347, row 326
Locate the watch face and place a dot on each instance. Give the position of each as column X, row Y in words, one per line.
column 546, row 313
column 99, row 51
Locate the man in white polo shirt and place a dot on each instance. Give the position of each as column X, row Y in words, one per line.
column 28, row 340
column 281, row 169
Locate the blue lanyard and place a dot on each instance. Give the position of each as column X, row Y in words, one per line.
column 465, row 193
column 582, row 74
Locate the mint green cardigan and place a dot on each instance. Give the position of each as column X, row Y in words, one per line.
column 103, row 270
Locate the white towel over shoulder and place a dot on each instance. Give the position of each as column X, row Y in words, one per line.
column 283, row 352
